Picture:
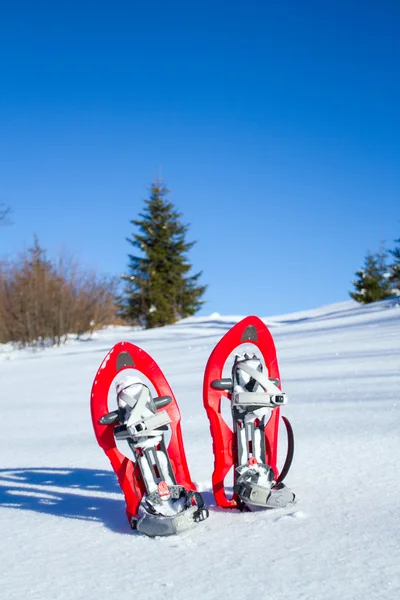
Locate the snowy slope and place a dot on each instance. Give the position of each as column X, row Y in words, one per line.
column 63, row 529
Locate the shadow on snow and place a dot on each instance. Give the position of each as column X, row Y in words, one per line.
column 84, row 494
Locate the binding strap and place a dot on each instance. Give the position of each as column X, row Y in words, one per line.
column 290, row 451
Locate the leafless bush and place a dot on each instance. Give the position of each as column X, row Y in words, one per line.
column 5, row 212
column 46, row 300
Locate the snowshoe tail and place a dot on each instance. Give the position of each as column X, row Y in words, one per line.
column 250, row 444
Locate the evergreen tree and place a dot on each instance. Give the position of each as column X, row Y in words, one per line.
column 159, row 288
column 372, row 281
column 394, row 277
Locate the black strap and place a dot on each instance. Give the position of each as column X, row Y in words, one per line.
column 290, row 451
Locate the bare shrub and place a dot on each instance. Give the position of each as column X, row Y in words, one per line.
column 5, row 212
column 47, row 300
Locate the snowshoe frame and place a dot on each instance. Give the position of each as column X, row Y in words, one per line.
column 250, row 330
column 126, row 355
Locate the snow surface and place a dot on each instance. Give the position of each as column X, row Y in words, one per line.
column 63, row 531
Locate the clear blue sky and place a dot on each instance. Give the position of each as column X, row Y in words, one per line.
column 274, row 124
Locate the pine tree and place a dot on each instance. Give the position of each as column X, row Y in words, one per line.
column 372, row 281
column 159, row 288
column 394, row 277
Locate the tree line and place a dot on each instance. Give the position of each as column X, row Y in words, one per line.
column 44, row 300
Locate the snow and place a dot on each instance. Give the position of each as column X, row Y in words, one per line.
column 63, row 529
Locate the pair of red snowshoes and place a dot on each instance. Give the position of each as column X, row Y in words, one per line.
column 161, row 498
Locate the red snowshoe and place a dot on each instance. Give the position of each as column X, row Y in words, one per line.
column 161, row 498
column 250, row 444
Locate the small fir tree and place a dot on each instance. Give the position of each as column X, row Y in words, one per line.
column 372, row 282
column 394, row 277
column 159, row 289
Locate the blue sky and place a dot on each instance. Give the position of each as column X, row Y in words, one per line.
column 274, row 124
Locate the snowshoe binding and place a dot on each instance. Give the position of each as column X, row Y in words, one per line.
column 161, row 499
column 250, row 446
